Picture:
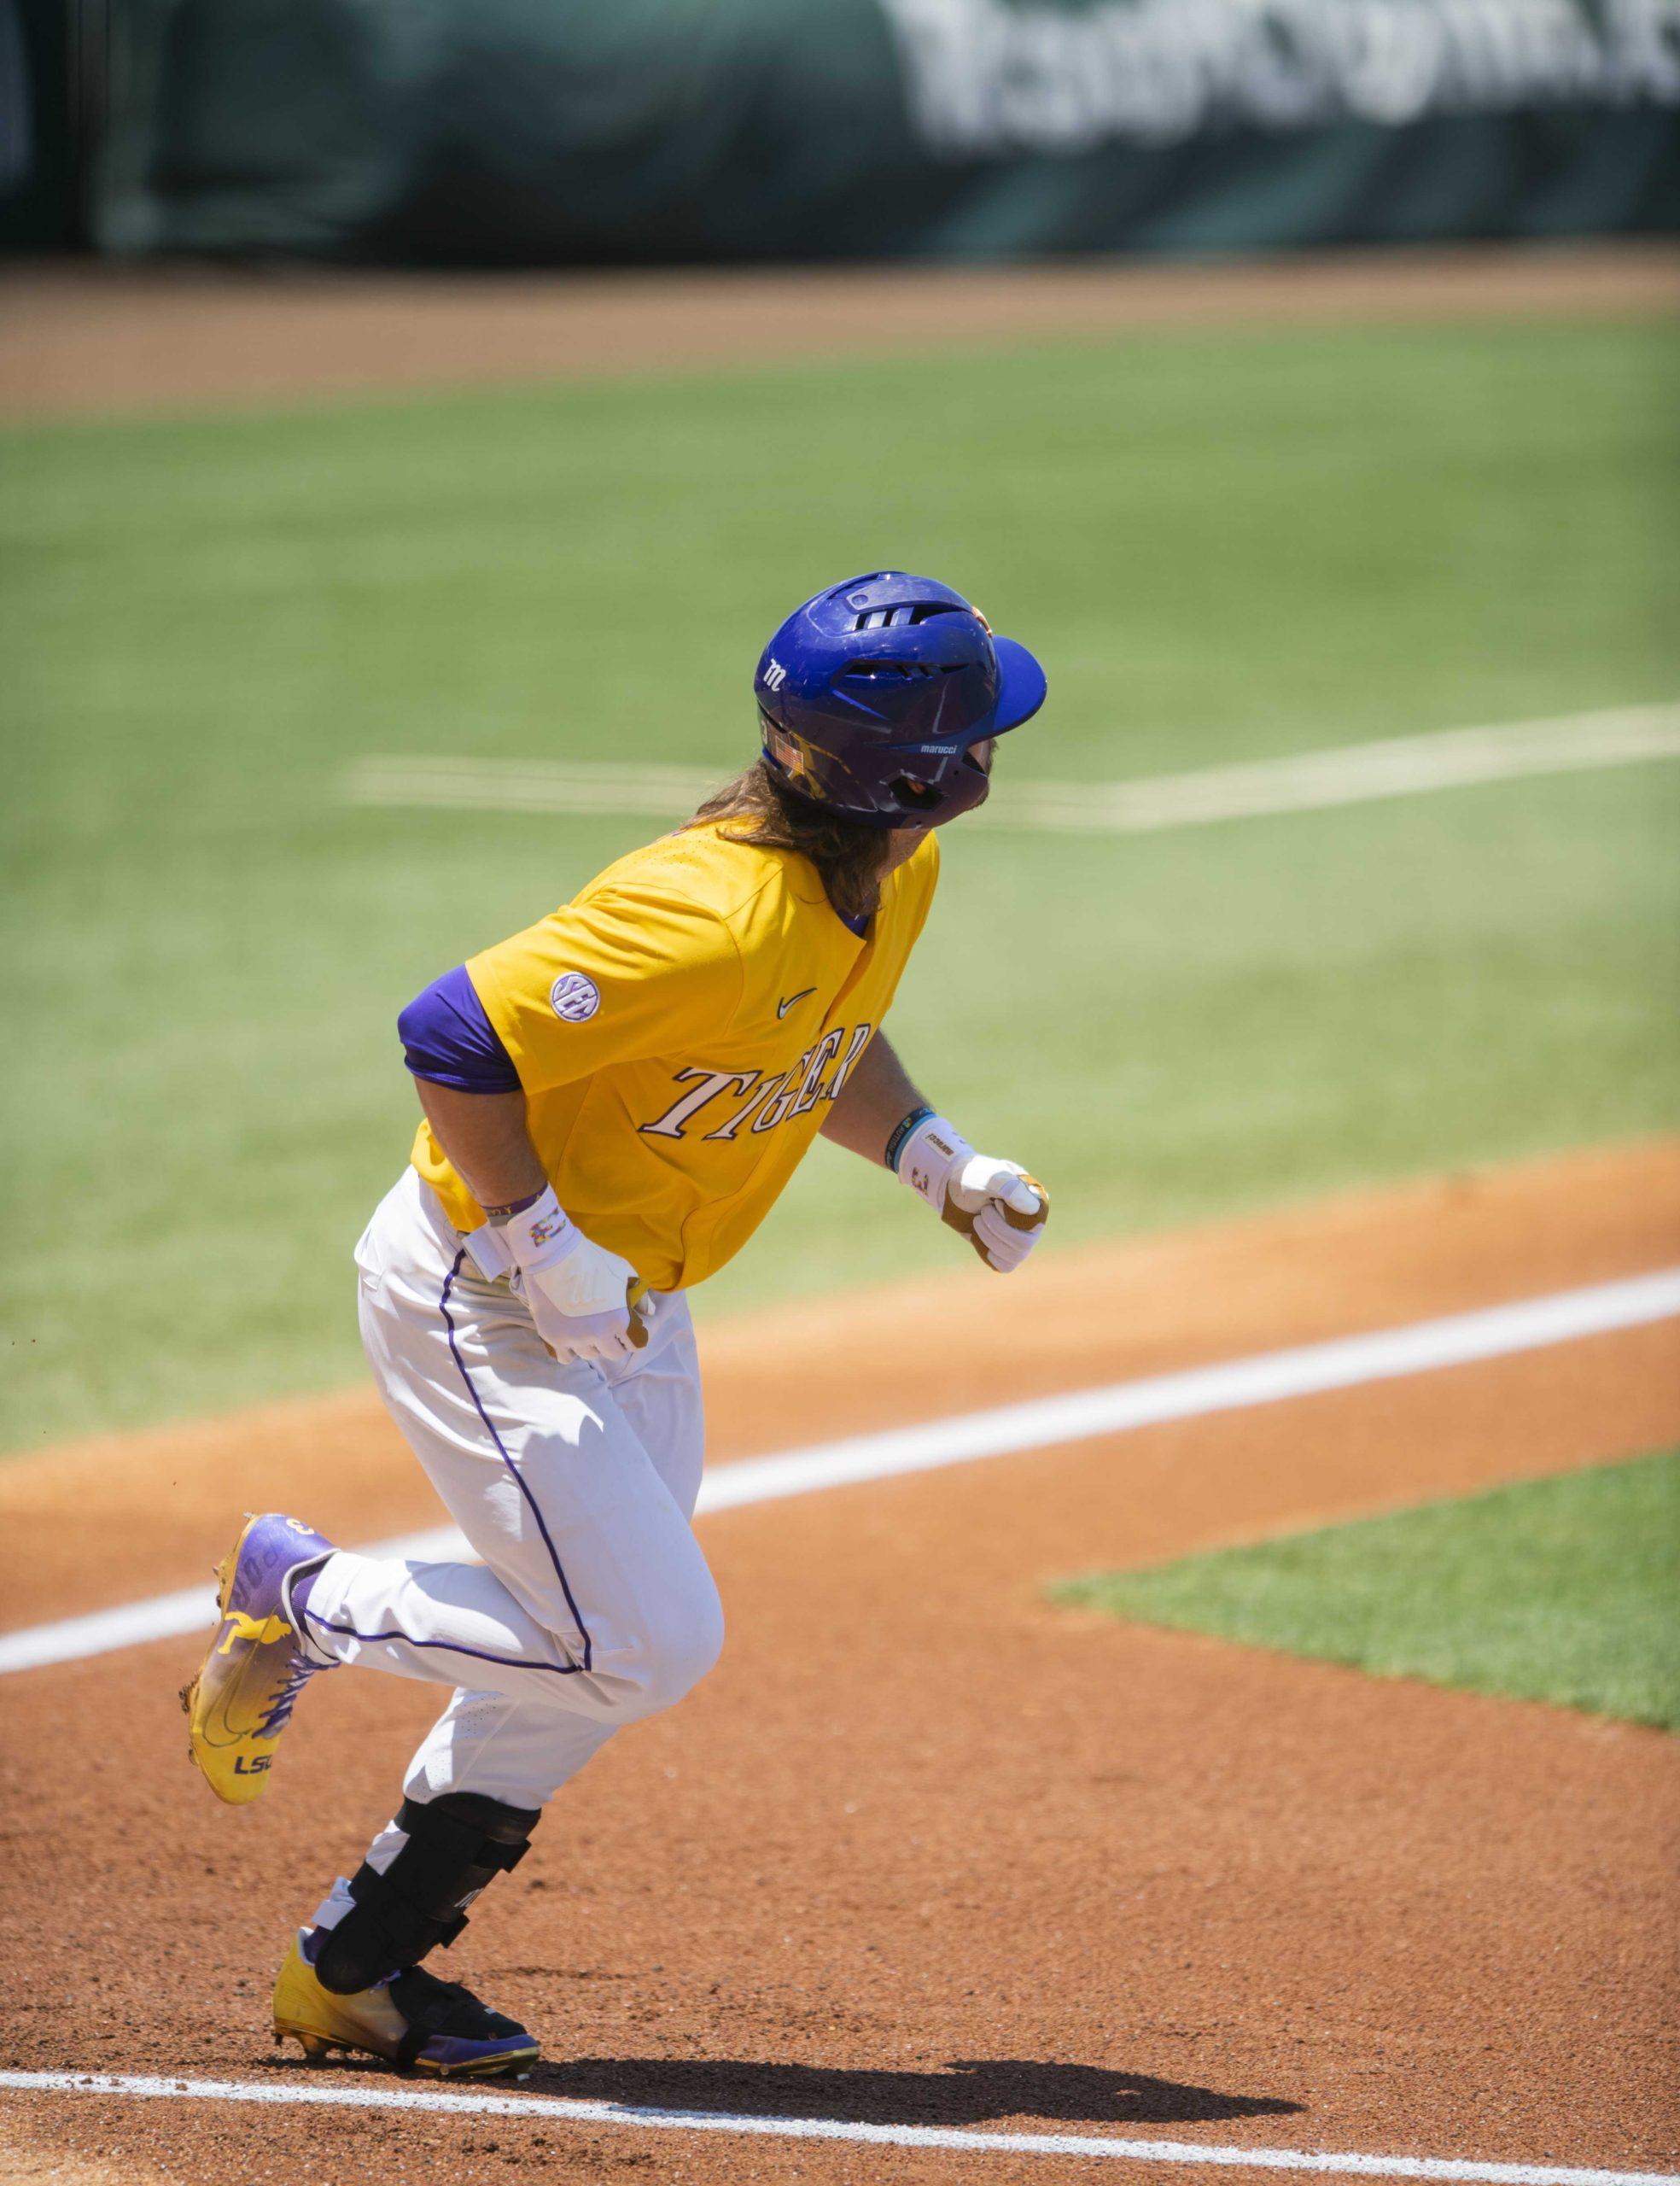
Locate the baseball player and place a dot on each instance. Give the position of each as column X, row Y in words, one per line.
column 613, row 1100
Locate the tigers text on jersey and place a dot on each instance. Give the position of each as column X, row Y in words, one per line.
column 680, row 1029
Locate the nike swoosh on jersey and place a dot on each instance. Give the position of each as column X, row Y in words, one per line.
column 783, row 1008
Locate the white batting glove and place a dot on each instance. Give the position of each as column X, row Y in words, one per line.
column 996, row 1205
column 587, row 1303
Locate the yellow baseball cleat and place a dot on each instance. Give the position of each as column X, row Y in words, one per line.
column 242, row 1698
column 411, row 2019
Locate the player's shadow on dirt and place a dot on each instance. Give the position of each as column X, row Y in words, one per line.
column 964, row 2092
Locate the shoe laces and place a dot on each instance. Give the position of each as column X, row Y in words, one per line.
column 279, row 1711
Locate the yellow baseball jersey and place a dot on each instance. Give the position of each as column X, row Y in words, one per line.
column 680, row 1029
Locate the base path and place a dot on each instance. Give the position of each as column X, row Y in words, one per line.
column 88, row 338
column 924, row 1854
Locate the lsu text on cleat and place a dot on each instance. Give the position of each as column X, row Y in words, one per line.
column 242, row 1697
column 411, row 2019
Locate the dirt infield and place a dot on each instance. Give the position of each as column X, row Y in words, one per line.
column 100, row 338
column 923, row 1851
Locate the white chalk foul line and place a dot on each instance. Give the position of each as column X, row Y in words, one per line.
column 478, row 2104
column 1311, row 782
column 1268, row 1377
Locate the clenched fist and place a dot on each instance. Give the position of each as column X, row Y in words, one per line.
column 995, row 1204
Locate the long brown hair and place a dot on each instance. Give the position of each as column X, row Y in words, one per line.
column 850, row 858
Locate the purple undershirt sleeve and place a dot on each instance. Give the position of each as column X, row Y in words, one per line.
column 448, row 1038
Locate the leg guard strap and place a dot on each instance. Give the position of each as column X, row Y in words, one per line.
column 456, row 1845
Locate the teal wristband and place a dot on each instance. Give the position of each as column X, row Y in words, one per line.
column 913, row 1121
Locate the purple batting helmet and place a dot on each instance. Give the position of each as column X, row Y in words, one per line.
column 872, row 695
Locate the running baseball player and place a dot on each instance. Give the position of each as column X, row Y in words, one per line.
column 613, row 1100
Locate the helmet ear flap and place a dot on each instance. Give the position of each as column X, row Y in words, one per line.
column 915, row 796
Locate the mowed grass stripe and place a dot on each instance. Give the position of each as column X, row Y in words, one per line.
column 1316, row 781
column 1562, row 1589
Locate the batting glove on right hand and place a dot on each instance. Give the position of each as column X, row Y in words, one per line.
column 995, row 1204
column 587, row 1303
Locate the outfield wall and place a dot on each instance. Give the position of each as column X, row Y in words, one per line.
column 662, row 131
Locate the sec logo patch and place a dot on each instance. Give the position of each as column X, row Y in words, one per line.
column 574, row 996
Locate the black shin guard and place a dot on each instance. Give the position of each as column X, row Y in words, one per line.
column 455, row 1845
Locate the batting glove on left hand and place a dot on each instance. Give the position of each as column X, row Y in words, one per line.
column 995, row 1204
column 587, row 1302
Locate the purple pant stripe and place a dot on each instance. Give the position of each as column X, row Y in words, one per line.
column 449, row 1646
column 501, row 1447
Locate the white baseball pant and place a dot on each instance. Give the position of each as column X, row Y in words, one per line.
column 592, row 1605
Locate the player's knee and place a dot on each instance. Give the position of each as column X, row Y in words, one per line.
column 675, row 1646
column 682, row 1650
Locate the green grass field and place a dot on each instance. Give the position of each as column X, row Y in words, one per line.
column 1560, row 1590
column 1224, row 547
